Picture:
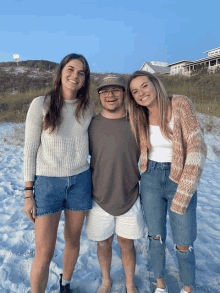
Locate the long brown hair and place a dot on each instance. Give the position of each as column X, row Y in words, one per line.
column 53, row 117
column 139, row 115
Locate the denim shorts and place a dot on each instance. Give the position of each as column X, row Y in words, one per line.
column 54, row 194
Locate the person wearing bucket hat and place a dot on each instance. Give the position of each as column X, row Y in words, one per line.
column 115, row 179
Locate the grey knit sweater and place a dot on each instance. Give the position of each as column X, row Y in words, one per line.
column 61, row 153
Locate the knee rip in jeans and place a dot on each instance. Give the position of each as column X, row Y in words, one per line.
column 189, row 247
column 158, row 237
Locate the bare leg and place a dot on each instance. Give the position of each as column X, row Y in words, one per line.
column 128, row 257
column 187, row 289
column 161, row 283
column 72, row 231
column 45, row 238
column 104, row 251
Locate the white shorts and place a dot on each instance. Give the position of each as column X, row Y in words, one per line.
column 100, row 225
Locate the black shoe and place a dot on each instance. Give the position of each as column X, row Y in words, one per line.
column 64, row 289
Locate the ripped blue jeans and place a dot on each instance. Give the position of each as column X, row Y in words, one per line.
column 157, row 192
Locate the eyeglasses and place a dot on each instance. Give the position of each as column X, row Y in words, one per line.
column 115, row 92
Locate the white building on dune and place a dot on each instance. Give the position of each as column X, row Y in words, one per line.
column 186, row 67
column 156, row 67
column 178, row 67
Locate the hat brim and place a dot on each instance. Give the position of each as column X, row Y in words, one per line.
column 109, row 84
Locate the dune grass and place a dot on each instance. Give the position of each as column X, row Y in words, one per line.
column 13, row 107
column 203, row 89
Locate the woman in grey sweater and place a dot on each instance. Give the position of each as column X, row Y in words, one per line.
column 56, row 171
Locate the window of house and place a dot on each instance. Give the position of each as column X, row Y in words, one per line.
column 213, row 62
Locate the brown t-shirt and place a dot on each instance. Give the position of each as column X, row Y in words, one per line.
column 114, row 164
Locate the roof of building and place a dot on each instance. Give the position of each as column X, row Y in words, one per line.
column 178, row 62
column 157, row 69
column 203, row 59
column 211, row 50
column 159, row 63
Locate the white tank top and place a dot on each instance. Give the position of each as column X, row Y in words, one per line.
column 161, row 147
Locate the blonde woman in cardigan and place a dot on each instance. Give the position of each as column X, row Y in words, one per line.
column 56, row 171
column 173, row 155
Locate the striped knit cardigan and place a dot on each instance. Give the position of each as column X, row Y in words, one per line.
column 189, row 152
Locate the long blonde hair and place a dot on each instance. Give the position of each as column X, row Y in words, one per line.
column 139, row 115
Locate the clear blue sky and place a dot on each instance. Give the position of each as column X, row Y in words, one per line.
column 114, row 36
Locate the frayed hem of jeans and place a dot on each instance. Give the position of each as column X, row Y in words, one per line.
column 79, row 210
column 48, row 213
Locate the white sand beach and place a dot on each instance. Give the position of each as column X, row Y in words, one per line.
column 17, row 240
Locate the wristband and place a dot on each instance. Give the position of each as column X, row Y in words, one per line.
column 28, row 196
column 29, row 188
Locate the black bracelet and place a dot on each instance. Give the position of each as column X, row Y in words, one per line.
column 29, row 188
column 28, row 196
